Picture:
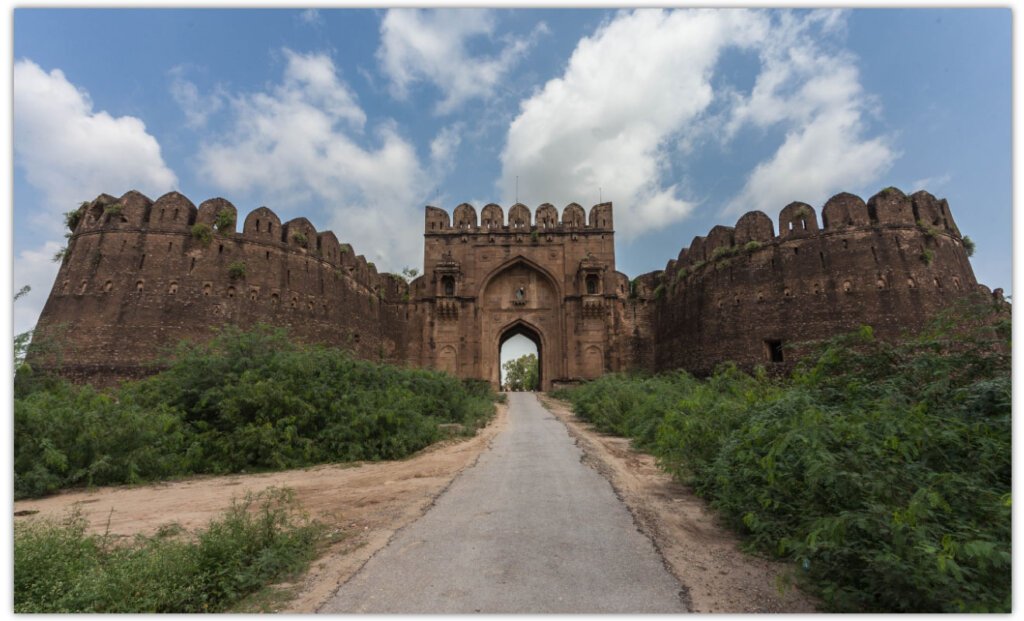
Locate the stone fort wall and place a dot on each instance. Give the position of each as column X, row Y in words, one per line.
column 141, row 275
column 749, row 295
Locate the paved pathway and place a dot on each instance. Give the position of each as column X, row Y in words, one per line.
column 528, row 529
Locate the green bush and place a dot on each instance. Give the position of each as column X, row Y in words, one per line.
column 300, row 239
column 236, row 270
column 243, row 401
column 224, row 221
column 723, row 252
column 882, row 471
column 202, row 233
column 60, row 568
column 72, row 218
column 969, row 246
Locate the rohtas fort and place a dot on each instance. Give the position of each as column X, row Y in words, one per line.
column 140, row 275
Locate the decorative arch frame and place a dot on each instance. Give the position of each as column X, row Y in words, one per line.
column 551, row 346
column 512, row 261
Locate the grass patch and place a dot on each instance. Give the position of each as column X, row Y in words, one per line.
column 58, row 567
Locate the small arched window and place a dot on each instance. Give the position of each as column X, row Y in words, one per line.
column 591, row 284
column 140, row 285
column 173, row 288
column 448, row 285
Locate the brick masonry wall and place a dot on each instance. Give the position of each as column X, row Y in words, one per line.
column 891, row 263
column 136, row 280
column 139, row 277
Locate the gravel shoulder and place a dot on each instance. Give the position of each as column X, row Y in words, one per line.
column 703, row 555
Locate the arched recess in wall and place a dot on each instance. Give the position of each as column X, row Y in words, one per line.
column 520, row 260
column 593, row 362
column 448, row 359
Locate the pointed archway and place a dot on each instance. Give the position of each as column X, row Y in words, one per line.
column 524, row 329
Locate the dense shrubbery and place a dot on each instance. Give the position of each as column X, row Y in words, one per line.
column 881, row 470
column 243, row 401
column 60, row 568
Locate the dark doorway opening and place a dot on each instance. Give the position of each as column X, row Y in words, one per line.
column 773, row 349
column 517, row 341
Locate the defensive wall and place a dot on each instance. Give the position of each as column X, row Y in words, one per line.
column 749, row 295
column 140, row 275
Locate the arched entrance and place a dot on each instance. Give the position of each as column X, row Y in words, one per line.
column 521, row 298
column 522, row 329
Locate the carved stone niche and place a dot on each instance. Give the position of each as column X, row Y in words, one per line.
column 447, row 275
column 590, row 276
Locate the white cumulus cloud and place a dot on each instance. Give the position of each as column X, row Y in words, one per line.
column 301, row 144
column 817, row 96
column 71, row 152
column 196, row 106
column 419, row 45
column 35, row 268
column 637, row 93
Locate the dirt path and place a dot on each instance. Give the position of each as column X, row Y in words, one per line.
column 704, row 556
column 367, row 502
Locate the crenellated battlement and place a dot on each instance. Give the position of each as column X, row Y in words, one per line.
column 492, row 219
column 216, row 219
column 742, row 292
column 843, row 213
column 140, row 275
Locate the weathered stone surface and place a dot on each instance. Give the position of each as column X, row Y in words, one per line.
column 141, row 275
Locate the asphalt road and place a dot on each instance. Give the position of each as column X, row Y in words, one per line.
column 528, row 529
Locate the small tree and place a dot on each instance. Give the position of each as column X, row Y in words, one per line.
column 410, row 273
column 225, row 221
column 522, row 373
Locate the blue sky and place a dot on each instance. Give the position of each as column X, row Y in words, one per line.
column 358, row 118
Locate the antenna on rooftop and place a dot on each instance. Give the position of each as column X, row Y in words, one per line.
column 517, row 188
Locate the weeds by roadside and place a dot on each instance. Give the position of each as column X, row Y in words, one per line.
column 881, row 471
column 244, row 401
column 58, row 567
